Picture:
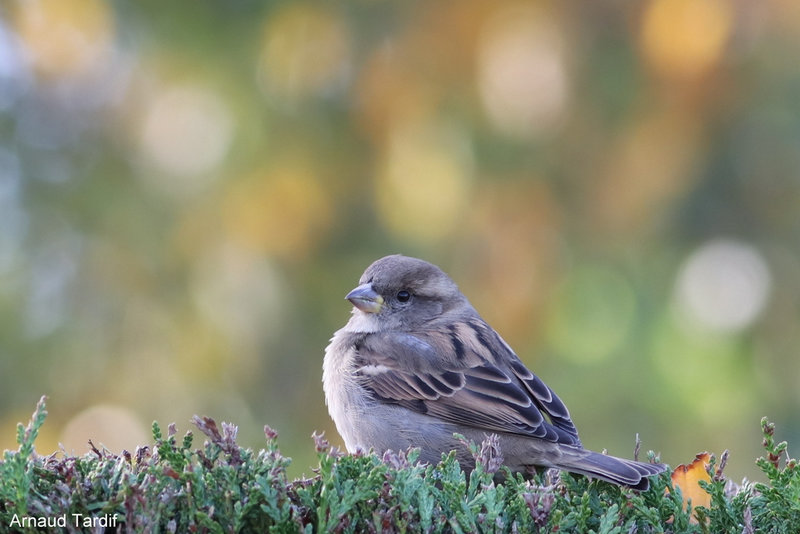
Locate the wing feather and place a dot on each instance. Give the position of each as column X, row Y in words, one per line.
column 483, row 386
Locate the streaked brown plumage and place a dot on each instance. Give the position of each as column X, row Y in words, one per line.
column 416, row 364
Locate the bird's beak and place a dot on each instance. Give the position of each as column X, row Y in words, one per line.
column 366, row 299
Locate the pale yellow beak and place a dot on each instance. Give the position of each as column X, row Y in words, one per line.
column 366, row 299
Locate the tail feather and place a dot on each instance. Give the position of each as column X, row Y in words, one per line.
column 612, row 469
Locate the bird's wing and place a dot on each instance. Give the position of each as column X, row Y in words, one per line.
column 447, row 376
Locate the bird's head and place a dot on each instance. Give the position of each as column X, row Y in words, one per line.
column 398, row 293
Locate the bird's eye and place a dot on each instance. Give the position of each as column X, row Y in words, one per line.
column 403, row 295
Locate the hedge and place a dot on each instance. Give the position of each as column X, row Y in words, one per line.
column 220, row 487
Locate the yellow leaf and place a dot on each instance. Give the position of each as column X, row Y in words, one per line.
column 688, row 477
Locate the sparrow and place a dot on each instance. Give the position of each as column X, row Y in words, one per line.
column 416, row 364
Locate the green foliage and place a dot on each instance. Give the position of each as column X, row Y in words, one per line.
column 777, row 503
column 221, row 487
column 16, row 470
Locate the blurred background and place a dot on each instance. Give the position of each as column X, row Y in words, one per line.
column 189, row 189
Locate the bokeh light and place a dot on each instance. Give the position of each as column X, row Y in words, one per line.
column 522, row 71
column 282, row 210
column 724, row 285
column 305, row 52
column 68, row 39
column 685, row 38
column 185, row 134
column 116, row 428
column 424, row 182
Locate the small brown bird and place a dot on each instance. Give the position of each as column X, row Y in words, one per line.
column 416, row 363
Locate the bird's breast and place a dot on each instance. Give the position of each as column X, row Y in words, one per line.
column 347, row 401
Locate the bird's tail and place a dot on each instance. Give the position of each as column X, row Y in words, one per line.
column 612, row 469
